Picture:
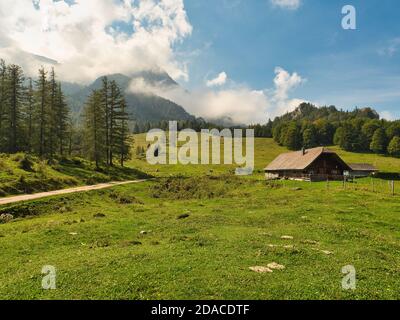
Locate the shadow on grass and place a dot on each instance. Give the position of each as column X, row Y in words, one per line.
column 388, row 176
column 89, row 175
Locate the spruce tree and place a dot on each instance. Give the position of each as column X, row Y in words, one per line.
column 118, row 125
column 62, row 122
column 3, row 105
column 15, row 105
column 29, row 115
column 95, row 129
column 42, row 116
column 105, row 105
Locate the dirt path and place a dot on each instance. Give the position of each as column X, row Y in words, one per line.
column 27, row 197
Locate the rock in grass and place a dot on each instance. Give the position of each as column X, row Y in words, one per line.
column 6, row 217
column 287, row 238
column 183, row 216
column 143, row 233
column 307, row 241
column 259, row 269
column 99, row 215
column 275, row 266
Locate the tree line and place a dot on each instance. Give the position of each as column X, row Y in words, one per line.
column 35, row 118
column 360, row 130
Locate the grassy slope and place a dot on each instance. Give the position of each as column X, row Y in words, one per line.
column 37, row 176
column 232, row 224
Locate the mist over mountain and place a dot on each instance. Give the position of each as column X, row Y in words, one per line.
column 142, row 106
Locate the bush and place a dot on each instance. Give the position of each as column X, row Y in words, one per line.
column 26, row 163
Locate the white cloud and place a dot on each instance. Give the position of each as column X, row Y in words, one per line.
column 284, row 83
column 239, row 103
column 387, row 115
column 287, row 4
column 87, row 39
column 218, row 81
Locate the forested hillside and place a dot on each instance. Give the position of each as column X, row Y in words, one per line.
column 360, row 130
column 144, row 109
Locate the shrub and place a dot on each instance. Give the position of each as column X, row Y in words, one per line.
column 26, row 163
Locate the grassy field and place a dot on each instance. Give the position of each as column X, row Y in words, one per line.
column 194, row 232
column 265, row 151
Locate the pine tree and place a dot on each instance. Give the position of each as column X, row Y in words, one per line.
column 61, row 120
column 122, row 133
column 29, row 115
column 42, row 117
column 15, row 104
column 105, row 104
column 52, row 113
column 95, row 142
column 118, row 125
column 3, row 104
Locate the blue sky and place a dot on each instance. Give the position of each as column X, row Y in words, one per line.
column 247, row 39
column 246, row 60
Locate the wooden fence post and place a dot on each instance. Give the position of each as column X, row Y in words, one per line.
column 392, row 187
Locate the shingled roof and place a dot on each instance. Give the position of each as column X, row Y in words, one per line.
column 363, row 167
column 299, row 160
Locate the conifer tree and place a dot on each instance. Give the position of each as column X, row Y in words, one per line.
column 42, row 117
column 52, row 114
column 29, row 115
column 121, row 134
column 95, row 142
column 105, row 105
column 15, row 106
column 3, row 106
column 61, row 120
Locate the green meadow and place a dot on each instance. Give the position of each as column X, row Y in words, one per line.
column 193, row 232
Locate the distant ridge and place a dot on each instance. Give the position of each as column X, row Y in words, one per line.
column 144, row 107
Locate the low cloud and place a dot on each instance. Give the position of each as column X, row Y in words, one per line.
column 287, row 4
column 387, row 115
column 218, row 81
column 239, row 103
